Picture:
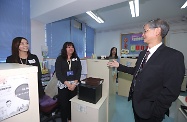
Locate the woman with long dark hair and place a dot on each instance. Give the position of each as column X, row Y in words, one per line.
column 22, row 55
column 68, row 72
column 113, row 53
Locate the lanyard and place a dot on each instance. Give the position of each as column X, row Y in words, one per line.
column 69, row 63
column 22, row 61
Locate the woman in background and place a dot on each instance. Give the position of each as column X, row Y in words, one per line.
column 113, row 53
column 68, row 72
column 22, row 55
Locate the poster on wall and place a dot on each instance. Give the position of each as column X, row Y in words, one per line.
column 132, row 44
column 14, row 96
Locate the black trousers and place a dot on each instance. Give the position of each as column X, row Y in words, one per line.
column 151, row 119
column 64, row 95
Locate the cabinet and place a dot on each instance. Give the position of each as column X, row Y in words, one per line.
column 103, row 110
column 125, row 79
column 10, row 73
column 88, row 112
column 98, row 68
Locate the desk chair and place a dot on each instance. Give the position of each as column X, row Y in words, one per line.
column 49, row 108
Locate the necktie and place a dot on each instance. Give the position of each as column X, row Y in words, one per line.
column 145, row 58
column 143, row 62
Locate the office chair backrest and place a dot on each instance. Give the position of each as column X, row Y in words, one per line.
column 51, row 89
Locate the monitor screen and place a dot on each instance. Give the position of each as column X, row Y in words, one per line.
column 2, row 60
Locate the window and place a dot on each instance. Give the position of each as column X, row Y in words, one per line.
column 14, row 22
column 57, row 33
column 89, row 41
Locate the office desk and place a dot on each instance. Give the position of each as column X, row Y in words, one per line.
column 180, row 116
column 183, row 86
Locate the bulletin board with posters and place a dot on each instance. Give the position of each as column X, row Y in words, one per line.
column 132, row 44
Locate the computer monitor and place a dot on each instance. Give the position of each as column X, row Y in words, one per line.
column 103, row 57
column 2, row 60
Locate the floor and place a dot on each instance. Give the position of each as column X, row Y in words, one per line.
column 124, row 111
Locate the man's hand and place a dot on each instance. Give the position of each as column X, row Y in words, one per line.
column 113, row 63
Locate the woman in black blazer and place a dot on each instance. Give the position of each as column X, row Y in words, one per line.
column 68, row 72
column 22, row 55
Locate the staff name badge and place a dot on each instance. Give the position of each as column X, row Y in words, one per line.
column 69, row 73
column 74, row 59
column 32, row 61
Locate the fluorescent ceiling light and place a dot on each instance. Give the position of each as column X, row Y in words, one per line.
column 136, row 2
column 94, row 16
column 184, row 6
column 134, row 6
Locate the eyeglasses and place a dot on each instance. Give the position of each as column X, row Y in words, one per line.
column 146, row 30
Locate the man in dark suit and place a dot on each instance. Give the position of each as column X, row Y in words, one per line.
column 156, row 84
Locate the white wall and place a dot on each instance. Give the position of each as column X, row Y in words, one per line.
column 37, row 38
column 104, row 41
column 179, row 42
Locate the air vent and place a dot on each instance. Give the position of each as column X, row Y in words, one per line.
column 77, row 25
column 184, row 18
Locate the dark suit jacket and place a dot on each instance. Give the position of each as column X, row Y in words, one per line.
column 159, row 82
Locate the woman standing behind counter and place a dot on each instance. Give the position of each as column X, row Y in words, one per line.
column 113, row 53
column 22, row 55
